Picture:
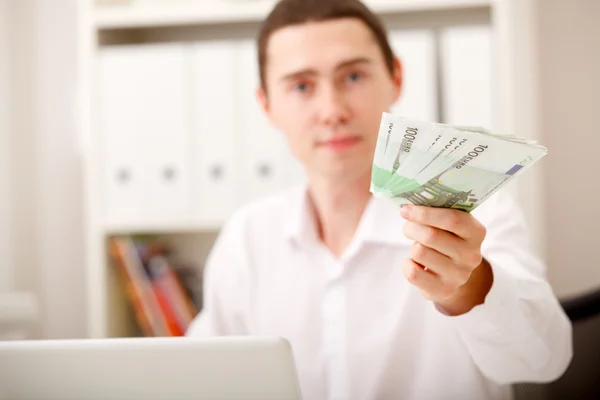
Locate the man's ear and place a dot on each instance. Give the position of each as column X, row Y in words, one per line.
column 263, row 101
column 397, row 79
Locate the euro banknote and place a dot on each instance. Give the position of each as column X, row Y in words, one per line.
column 439, row 165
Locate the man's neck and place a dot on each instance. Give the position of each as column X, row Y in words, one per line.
column 339, row 208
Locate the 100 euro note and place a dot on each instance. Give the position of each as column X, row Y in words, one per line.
column 398, row 140
column 407, row 148
column 463, row 176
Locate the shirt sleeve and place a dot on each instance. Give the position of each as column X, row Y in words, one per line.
column 224, row 286
column 520, row 332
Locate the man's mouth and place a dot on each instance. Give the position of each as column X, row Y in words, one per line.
column 340, row 143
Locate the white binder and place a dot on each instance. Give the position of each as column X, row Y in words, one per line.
column 144, row 123
column 416, row 51
column 216, row 148
column 465, row 53
column 264, row 153
column 119, row 110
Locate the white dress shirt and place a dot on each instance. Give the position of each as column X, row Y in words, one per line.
column 359, row 330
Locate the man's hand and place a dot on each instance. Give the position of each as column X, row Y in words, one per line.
column 446, row 262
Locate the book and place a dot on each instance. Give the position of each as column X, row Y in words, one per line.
column 161, row 304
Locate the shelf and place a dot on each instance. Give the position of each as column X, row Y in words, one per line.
column 199, row 12
column 162, row 227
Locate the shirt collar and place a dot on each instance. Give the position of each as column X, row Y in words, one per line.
column 380, row 223
column 301, row 226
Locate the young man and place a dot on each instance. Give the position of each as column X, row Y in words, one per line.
column 378, row 303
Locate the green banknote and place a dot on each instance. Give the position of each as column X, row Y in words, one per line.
column 399, row 140
column 450, row 166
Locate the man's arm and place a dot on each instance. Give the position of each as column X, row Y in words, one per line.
column 485, row 279
column 472, row 293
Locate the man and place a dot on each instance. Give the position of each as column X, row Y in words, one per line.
column 378, row 303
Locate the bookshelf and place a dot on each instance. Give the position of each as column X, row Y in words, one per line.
column 181, row 13
column 182, row 187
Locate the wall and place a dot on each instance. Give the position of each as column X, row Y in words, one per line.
column 6, row 279
column 23, row 246
column 59, row 170
column 46, row 182
column 515, row 100
column 569, row 84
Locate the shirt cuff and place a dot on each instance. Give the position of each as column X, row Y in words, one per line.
column 500, row 311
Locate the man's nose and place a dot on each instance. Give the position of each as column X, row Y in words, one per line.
column 333, row 107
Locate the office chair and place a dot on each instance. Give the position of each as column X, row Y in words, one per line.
column 582, row 378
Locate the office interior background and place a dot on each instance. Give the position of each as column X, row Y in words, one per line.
column 129, row 119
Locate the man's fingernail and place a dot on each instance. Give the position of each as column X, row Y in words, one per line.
column 405, row 210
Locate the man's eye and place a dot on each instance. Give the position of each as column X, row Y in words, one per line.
column 301, row 87
column 355, row 76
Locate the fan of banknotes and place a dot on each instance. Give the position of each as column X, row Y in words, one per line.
column 438, row 165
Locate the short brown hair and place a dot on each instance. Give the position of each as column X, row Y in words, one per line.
column 295, row 12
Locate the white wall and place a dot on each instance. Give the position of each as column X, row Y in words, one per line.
column 22, row 161
column 46, row 183
column 59, row 205
column 569, row 82
column 6, row 280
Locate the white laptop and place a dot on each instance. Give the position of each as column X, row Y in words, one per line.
column 220, row 368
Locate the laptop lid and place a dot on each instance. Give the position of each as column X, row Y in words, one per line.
column 218, row 368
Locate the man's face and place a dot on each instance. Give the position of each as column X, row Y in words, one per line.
column 328, row 85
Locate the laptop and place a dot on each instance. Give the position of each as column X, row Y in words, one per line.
column 172, row 368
